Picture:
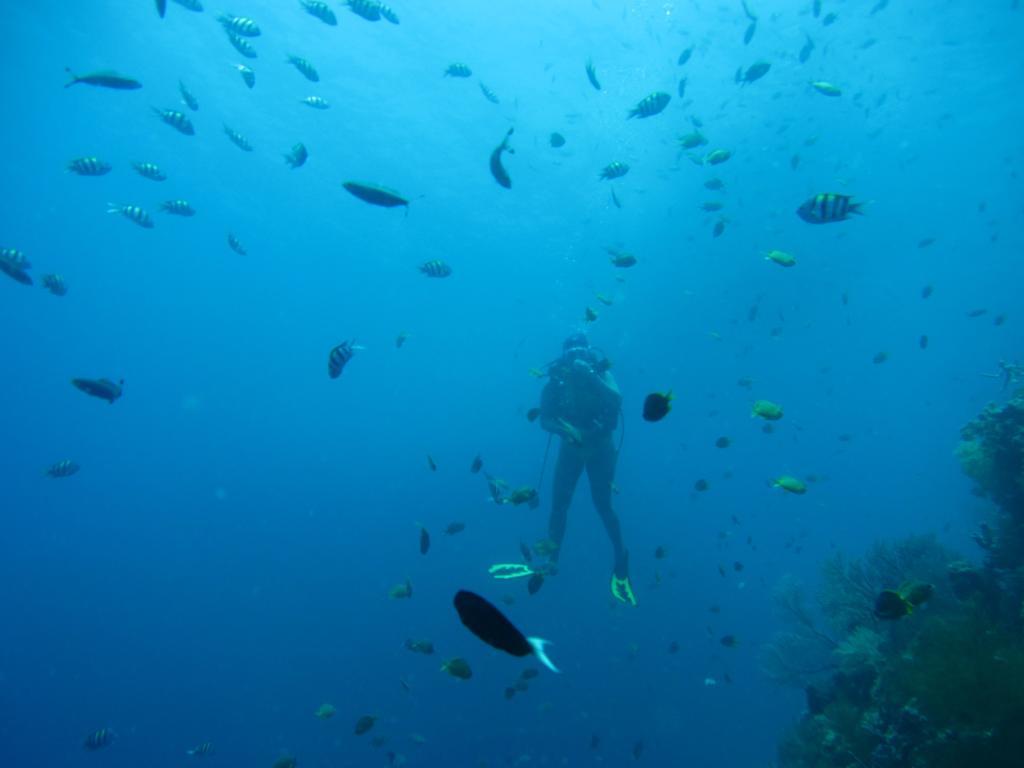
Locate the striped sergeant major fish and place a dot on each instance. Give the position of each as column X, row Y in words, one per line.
column 368, row 9
column 149, row 171
column 339, row 357
column 827, row 207
column 316, row 102
column 435, row 268
column 236, row 245
column 241, row 45
column 204, row 749
column 238, row 139
column 239, row 25
column 177, row 120
column 178, row 207
column 88, row 166
column 104, row 737
column 191, row 5
column 308, row 70
column 298, row 156
column 14, row 264
column 104, row 389
column 388, row 13
column 64, row 468
column 54, row 283
column 321, row 10
column 248, row 76
column 650, row 105
column 133, row 213
column 187, row 96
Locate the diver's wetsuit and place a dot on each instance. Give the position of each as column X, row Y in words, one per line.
column 577, row 396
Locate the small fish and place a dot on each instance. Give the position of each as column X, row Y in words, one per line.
column 307, row 70
column 161, row 7
column 320, row 10
column 532, row 414
column 657, row 405
column 977, row 313
column 133, row 213
column 923, row 342
column 367, row 9
column 176, row 120
column 104, row 737
column 638, row 750
column 723, row 442
column 375, row 195
column 526, row 553
column 794, row 161
column 149, row 171
column 681, row 88
column 790, row 485
column 924, row 242
column 805, row 50
column 477, row 465
column 426, row 647
column 55, row 284
column 738, row 566
column 458, row 668
column 178, row 208
column 684, row 56
column 458, row 70
column 401, row 591
column 606, row 300
column 816, row 8
column 880, row 358
column 424, row 540
column 63, row 468
column 104, row 389
column 719, row 228
column 14, row 264
column 828, row 207
column 236, row 245
column 325, row 711
column 711, row 206
column 388, row 13
column 753, row 73
column 999, row 319
column 431, row 464
column 693, row 140
column 339, row 357
column 717, row 157
column 614, row 170
column 364, row 724
column 781, row 258
column 621, row 259
column 829, row 19
column 187, row 97
column 315, row 102
column 435, row 268
column 237, row 139
column 592, row 75
column 714, row 184
column 191, row 5
column 556, row 140
column 88, row 166
column 589, row 315
column 650, row 105
column 241, row 45
column 298, row 156
column 927, row 291
column 492, row 626
column 248, row 76
column 454, row 528
column 767, row 410
column 489, row 94
column 104, row 79
column 203, row 750
column 729, row 641
column 497, row 169
column 826, row 88
column 748, row 35
column 894, row 604
column 881, row 5
column 239, row 25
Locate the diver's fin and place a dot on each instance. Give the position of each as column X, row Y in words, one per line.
column 537, row 644
column 510, row 570
column 622, row 590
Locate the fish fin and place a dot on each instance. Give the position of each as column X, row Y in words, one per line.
column 537, row 644
column 113, row 208
column 857, row 208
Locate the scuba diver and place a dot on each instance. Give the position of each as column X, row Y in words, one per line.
column 581, row 404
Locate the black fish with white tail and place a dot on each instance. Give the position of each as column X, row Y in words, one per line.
column 492, row 626
column 104, row 389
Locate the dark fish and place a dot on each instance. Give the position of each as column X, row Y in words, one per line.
column 104, row 737
column 191, row 5
column 880, row 358
column 149, row 171
column 400, row 339
column 923, row 342
column 805, row 51
column 592, row 75
column 701, row 485
column 526, row 553
column 557, row 140
column 615, row 199
column 203, row 750
column 435, row 268
column 236, row 245
column 891, row 605
column 55, row 284
column 998, row 319
column 816, row 8
column 454, row 528
column 308, row 70
column 532, row 414
column 374, row 195
column 248, row 76
column 497, row 169
column 614, row 170
column 88, row 166
column 424, row 540
column 176, row 120
column 660, row 553
column 729, row 641
column 64, row 468
column 431, row 464
column 237, row 139
column 681, row 90
column 367, row 9
column 638, row 750
column 458, row 70
column 186, row 96
column 881, row 5
column 338, row 358
column 14, row 264
column 657, row 406
column 510, row 693
column 925, row 242
column 673, row 647
column 754, row 72
column 161, row 7
column 737, row 566
column 723, row 442
column 477, row 464
column 685, row 56
column 830, row 19
column 320, row 10
column 104, row 79
column 828, row 207
column 490, row 625
column 364, row 724
column 977, row 313
column 298, row 156
column 749, row 34
column 426, row 647
column 650, row 105
column 489, row 94
column 718, row 229
column 104, row 389
column 927, row 291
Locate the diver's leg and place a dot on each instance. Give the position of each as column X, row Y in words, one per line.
column 568, row 469
column 601, row 473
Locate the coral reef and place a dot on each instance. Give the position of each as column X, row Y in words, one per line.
column 941, row 684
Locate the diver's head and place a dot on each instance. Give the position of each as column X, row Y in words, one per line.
column 574, row 341
column 575, row 349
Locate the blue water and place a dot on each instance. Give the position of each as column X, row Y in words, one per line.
column 220, row 565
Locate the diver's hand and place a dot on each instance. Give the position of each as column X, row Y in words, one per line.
column 569, row 432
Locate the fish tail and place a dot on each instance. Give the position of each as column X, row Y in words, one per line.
column 113, row 208
column 857, row 208
column 537, row 645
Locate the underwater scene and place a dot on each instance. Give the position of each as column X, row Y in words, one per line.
column 510, row 384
